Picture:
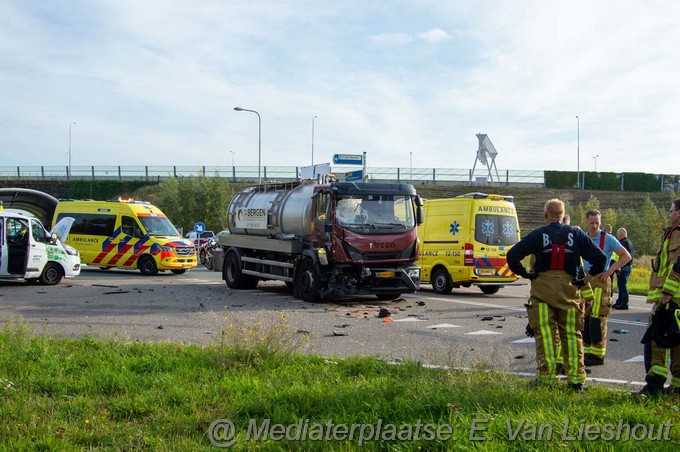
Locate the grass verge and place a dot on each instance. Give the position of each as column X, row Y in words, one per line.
column 64, row 394
column 638, row 282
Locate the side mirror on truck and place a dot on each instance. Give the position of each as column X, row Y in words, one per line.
column 419, row 210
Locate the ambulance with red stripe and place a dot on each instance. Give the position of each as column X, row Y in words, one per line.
column 464, row 241
column 125, row 233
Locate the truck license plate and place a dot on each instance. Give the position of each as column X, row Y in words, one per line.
column 487, row 271
column 385, row 274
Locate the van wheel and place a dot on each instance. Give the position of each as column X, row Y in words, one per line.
column 104, row 268
column 147, row 266
column 52, row 274
column 489, row 290
column 180, row 271
column 441, row 281
column 308, row 282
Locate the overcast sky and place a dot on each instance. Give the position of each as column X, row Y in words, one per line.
column 156, row 82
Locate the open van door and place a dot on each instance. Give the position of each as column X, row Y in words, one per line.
column 17, row 238
column 3, row 266
column 37, row 250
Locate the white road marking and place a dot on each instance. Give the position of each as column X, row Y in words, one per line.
column 482, row 333
column 528, row 374
column 515, row 309
column 636, row 359
column 475, row 303
column 608, row 380
column 445, row 325
column 526, row 340
column 409, row 319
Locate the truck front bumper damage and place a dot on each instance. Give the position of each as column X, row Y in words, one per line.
column 351, row 280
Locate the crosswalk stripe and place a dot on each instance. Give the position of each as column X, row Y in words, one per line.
column 636, row 359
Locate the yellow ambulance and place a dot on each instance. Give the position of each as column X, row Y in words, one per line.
column 125, row 233
column 464, row 241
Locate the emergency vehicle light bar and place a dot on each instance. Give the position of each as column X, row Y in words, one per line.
column 479, row 195
column 127, row 201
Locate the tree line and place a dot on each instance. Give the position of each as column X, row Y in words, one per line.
column 189, row 200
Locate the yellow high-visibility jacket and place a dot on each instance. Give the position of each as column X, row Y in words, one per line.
column 665, row 277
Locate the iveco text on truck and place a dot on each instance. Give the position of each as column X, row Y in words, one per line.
column 324, row 240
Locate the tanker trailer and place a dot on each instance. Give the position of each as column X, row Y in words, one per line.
column 324, row 240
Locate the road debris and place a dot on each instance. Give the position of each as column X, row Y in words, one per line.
column 383, row 313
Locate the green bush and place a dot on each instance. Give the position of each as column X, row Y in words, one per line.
column 188, row 200
column 560, row 179
column 641, row 182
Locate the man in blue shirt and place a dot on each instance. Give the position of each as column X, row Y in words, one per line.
column 595, row 322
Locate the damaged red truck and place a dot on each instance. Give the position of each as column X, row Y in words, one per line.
column 324, row 240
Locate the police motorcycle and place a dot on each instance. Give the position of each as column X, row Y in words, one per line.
column 205, row 253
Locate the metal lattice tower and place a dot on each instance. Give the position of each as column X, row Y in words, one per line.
column 486, row 154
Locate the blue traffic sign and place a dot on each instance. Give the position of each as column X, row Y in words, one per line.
column 348, row 159
column 354, row 175
column 199, row 228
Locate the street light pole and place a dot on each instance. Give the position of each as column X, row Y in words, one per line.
column 69, row 149
column 578, row 153
column 313, row 140
column 259, row 141
column 410, row 174
column 595, row 157
column 232, row 158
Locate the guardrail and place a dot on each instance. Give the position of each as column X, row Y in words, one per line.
column 443, row 176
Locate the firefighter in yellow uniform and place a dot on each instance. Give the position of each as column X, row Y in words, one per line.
column 662, row 349
column 554, row 297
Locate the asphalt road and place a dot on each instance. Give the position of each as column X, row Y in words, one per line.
column 464, row 329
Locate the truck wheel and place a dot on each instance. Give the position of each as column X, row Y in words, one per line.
column 147, row 266
column 489, row 290
column 180, row 271
column 441, row 281
column 232, row 273
column 52, row 274
column 388, row 296
column 307, row 281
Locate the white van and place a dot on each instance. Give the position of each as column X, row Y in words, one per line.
column 28, row 252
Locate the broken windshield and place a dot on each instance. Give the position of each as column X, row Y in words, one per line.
column 376, row 212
